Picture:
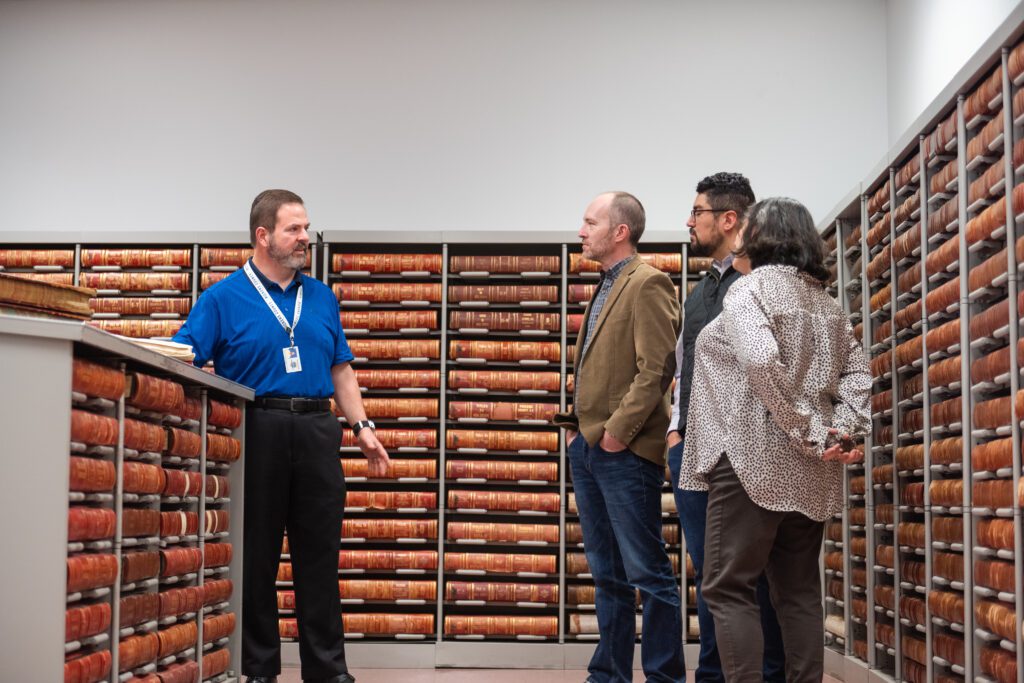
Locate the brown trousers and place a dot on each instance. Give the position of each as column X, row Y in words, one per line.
column 742, row 540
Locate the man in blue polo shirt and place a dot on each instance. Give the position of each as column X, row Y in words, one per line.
column 268, row 327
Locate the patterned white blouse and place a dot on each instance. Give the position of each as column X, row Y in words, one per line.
column 772, row 374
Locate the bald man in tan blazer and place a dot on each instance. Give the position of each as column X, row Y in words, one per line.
column 615, row 436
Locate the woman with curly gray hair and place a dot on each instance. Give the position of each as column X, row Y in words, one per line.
column 780, row 386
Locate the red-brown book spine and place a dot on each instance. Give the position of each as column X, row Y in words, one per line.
column 180, row 601
column 54, row 278
column 180, row 561
column 510, row 321
column 458, row 625
column 223, row 448
column 207, row 280
column 27, row 258
column 504, row 500
column 390, row 528
column 216, row 591
column 138, row 329
column 181, row 483
column 357, row 467
column 397, row 379
column 494, row 591
column 387, row 559
column 218, row 626
column 139, row 565
column 506, row 471
column 91, row 475
column 82, row 622
column 88, row 668
column 93, row 379
column 497, row 380
column 140, row 522
column 504, row 264
column 503, row 532
column 388, row 320
column 138, row 650
column 217, row 554
column 387, row 292
column 137, row 282
column 387, row 589
column 386, row 263
column 502, row 563
column 502, row 440
column 136, row 258
column 505, row 351
column 92, row 429
column 176, row 638
column 139, row 608
column 178, row 523
column 152, row 393
column 392, row 408
column 224, row 415
column 85, row 572
column 90, row 524
column 392, row 349
column 392, row 500
column 503, row 294
column 503, row 411
column 216, row 256
column 216, row 662
column 395, row 438
column 217, row 521
column 140, row 305
column 144, row 436
column 183, row 443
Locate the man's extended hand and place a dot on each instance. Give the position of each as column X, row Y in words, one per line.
column 375, row 454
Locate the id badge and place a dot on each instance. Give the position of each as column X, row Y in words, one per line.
column 292, row 362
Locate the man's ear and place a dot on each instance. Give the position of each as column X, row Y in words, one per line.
column 621, row 232
column 262, row 236
column 730, row 220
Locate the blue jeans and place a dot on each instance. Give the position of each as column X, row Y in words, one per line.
column 693, row 508
column 619, row 501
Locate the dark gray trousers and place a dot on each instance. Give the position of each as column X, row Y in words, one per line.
column 743, row 540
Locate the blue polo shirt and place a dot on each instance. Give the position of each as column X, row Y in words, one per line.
column 232, row 325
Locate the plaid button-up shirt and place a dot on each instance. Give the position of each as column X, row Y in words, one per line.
column 604, row 287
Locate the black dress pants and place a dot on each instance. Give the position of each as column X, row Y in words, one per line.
column 293, row 481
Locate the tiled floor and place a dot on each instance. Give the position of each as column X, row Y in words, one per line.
column 468, row 676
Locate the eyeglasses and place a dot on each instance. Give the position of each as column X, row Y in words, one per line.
column 696, row 212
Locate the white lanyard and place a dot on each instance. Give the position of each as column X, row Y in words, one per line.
column 290, row 329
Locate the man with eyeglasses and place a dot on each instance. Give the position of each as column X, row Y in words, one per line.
column 715, row 219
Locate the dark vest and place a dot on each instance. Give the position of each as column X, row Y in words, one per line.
column 702, row 306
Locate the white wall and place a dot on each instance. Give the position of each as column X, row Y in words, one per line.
column 928, row 42
column 415, row 114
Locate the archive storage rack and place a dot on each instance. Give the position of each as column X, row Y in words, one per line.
column 945, row 215
column 125, row 503
column 429, row 263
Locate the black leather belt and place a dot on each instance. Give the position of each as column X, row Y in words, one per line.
column 295, row 405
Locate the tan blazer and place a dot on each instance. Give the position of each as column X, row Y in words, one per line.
column 624, row 378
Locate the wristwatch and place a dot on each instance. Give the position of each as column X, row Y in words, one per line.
column 359, row 426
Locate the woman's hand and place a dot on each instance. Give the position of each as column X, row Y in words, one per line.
column 841, row 448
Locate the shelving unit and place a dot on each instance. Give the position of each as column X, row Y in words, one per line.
column 136, row 542
column 942, row 520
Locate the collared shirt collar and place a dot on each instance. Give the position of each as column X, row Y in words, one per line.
column 267, row 282
column 614, row 271
column 723, row 265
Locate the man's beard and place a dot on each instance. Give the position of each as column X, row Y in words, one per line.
column 286, row 258
column 698, row 248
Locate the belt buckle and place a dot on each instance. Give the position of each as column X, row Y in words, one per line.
column 294, row 404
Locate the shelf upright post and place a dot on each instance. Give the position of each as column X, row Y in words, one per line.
column 204, row 401
column 1013, row 287
column 442, row 495
column 926, row 402
column 967, row 390
column 195, row 273
column 869, row 477
column 869, row 456
column 115, row 607
column 78, row 263
column 562, row 462
column 326, row 273
column 841, row 282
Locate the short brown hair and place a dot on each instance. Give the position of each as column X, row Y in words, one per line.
column 625, row 208
column 265, row 207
